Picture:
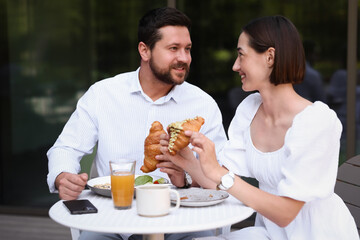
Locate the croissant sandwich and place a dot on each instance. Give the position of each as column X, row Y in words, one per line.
column 178, row 140
column 152, row 147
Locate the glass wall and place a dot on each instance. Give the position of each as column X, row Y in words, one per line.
column 52, row 51
column 56, row 50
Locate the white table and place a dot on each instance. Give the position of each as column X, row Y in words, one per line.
column 185, row 219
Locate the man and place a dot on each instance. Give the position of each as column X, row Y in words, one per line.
column 117, row 113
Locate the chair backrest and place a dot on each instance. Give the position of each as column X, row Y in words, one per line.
column 348, row 186
column 93, row 171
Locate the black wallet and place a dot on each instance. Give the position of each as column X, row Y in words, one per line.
column 80, row 206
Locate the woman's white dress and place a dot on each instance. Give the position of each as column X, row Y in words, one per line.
column 305, row 169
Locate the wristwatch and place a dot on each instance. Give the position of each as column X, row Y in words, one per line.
column 188, row 180
column 227, row 181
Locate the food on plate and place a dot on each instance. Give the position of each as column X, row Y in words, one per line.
column 152, row 147
column 160, row 181
column 146, row 179
column 178, row 140
column 103, row 186
column 141, row 180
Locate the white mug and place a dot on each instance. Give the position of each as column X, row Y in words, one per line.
column 153, row 200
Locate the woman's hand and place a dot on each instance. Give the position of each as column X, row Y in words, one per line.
column 175, row 165
column 205, row 148
column 183, row 159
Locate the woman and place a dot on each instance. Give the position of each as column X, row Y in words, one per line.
column 289, row 144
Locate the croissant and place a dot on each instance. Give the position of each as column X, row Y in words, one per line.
column 152, row 147
column 178, row 140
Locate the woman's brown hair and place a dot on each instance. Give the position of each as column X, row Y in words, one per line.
column 280, row 33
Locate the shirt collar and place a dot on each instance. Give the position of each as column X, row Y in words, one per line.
column 174, row 93
column 135, row 83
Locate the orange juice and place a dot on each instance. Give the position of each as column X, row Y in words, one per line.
column 122, row 189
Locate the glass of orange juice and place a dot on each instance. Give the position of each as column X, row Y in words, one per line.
column 122, row 183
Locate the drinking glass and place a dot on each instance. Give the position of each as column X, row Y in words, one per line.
column 122, row 182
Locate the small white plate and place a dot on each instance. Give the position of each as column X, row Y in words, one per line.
column 106, row 179
column 199, row 197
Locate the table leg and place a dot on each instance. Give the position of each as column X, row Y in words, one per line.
column 159, row 236
column 75, row 233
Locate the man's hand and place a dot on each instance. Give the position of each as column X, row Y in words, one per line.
column 175, row 173
column 70, row 185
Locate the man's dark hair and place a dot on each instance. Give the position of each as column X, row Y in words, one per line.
column 152, row 21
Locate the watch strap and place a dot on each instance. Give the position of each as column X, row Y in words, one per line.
column 220, row 186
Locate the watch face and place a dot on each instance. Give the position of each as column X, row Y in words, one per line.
column 227, row 181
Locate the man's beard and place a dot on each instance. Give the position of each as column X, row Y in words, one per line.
column 164, row 75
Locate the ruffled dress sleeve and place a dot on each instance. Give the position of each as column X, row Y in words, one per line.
column 312, row 147
column 232, row 156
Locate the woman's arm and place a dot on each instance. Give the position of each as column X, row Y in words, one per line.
column 280, row 210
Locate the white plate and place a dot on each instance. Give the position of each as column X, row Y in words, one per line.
column 106, row 179
column 198, row 197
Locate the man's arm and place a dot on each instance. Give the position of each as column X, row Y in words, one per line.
column 78, row 138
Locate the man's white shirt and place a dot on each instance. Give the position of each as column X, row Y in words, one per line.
column 116, row 114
